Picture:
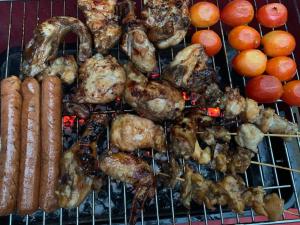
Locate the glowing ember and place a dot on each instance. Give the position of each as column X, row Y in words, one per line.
column 185, row 96
column 69, row 121
column 81, row 122
column 118, row 99
column 213, row 112
column 154, row 75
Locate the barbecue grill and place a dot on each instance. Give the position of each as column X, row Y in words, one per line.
column 111, row 206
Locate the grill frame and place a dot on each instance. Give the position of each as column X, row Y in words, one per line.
column 221, row 29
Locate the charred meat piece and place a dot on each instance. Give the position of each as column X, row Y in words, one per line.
column 189, row 70
column 210, row 135
column 79, row 110
column 152, row 99
column 102, row 20
column 135, row 42
column 132, row 170
column 186, row 188
column 167, row 21
column 130, row 132
column 45, row 43
column 172, row 169
column 79, row 166
column 102, row 79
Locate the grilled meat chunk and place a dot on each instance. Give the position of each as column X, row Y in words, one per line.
column 135, row 42
column 251, row 111
column 102, row 20
column 167, row 21
column 102, row 79
column 189, row 70
column 45, row 43
column 172, row 169
column 210, row 135
column 132, row 170
column 130, row 132
column 152, row 99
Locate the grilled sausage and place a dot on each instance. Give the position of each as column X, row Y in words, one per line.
column 51, row 142
column 28, row 195
column 11, row 103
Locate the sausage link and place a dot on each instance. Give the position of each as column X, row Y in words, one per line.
column 11, row 103
column 28, row 195
column 51, row 142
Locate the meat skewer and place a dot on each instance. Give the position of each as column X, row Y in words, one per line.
column 11, row 104
column 28, row 195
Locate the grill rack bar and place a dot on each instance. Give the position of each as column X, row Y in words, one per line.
column 278, row 187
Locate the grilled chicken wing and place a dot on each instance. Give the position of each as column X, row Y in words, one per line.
column 102, row 20
column 132, row 170
column 45, row 43
column 102, row 80
column 167, row 21
column 135, row 42
column 152, row 99
column 79, row 166
column 130, row 132
column 189, row 70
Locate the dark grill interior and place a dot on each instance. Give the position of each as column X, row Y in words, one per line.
column 17, row 22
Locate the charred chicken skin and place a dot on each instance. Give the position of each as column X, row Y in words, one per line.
column 135, row 42
column 45, row 43
column 102, row 20
column 167, row 21
column 132, row 170
column 152, row 99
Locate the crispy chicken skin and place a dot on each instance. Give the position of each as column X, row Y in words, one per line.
column 135, row 42
column 189, row 70
column 132, row 170
column 232, row 103
column 167, row 21
column 130, row 132
column 45, row 43
column 102, row 79
column 102, row 20
column 152, row 99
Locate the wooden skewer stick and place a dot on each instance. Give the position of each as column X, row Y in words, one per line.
column 268, row 135
column 292, row 213
column 275, row 166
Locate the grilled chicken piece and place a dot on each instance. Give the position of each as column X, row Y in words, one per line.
column 65, row 67
column 210, row 135
column 132, row 170
column 102, row 20
column 172, row 169
column 167, row 21
column 44, row 45
column 135, row 42
column 273, row 206
column 189, row 70
column 152, row 99
column 130, row 132
column 102, row 79
column 249, row 136
column 79, row 166
column 251, row 111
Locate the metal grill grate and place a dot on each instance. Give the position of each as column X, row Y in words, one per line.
column 17, row 21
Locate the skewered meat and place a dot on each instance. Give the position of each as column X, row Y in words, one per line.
column 79, row 110
column 210, row 135
column 45, row 43
column 152, row 99
column 102, row 20
column 130, row 132
column 186, row 188
column 79, row 165
column 251, row 111
column 102, row 80
column 167, row 21
column 201, row 156
column 11, row 103
column 65, row 67
column 135, row 42
column 132, row 170
column 273, row 206
column 172, row 169
column 189, row 70
column 249, row 136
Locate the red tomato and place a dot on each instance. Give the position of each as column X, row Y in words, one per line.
column 204, row 14
column 237, row 12
column 272, row 15
column 282, row 67
column 244, row 37
column 291, row 93
column 209, row 39
column 264, row 89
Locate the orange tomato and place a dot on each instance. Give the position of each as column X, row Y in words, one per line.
column 291, row 93
column 272, row 15
column 282, row 67
column 278, row 43
column 250, row 63
column 237, row 12
column 204, row 14
column 264, row 89
column 244, row 37
column 210, row 41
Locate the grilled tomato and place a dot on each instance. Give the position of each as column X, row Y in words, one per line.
column 282, row 67
column 272, row 15
column 204, row 14
column 209, row 39
column 244, row 37
column 291, row 93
